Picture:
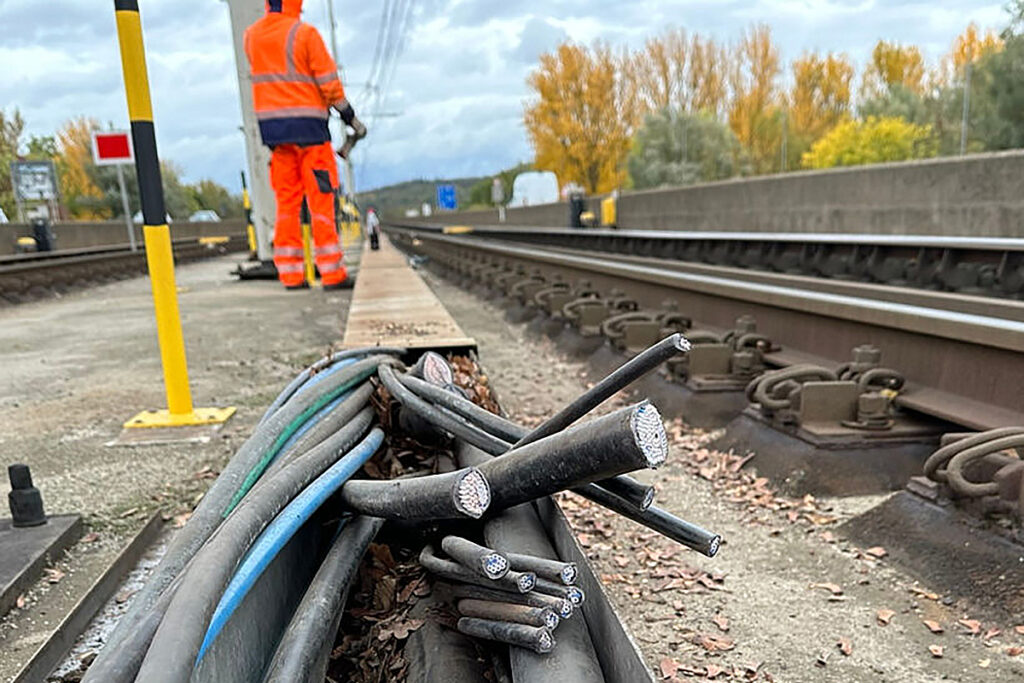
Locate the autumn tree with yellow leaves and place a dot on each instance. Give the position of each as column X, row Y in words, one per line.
column 83, row 198
column 820, row 96
column 578, row 124
column 893, row 65
column 755, row 113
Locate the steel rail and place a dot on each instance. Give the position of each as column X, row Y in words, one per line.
column 962, row 367
column 992, row 267
column 20, row 275
column 958, row 302
column 852, row 239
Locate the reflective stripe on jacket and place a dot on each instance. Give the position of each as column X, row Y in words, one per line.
column 294, row 78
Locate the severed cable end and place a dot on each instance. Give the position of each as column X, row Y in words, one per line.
column 575, row 595
column 545, row 643
column 569, row 573
column 495, row 566
column 566, row 609
column 551, row 619
column 713, row 547
column 649, row 433
column 526, row 582
column 683, row 344
column 473, row 494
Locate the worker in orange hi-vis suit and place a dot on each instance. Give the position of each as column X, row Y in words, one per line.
column 295, row 83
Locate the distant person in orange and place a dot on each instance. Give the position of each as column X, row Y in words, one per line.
column 294, row 84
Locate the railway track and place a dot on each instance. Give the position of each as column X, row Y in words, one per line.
column 959, row 352
column 25, row 277
column 982, row 266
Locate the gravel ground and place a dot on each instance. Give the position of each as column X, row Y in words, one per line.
column 786, row 599
column 75, row 368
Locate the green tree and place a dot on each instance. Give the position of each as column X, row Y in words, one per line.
column 1000, row 79
column 680, row 149
column 42, row 147
column 179, row 200
column 873, row 141
column 209, row 194
column 11, row 127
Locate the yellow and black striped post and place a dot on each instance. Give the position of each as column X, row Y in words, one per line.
column 159, row 254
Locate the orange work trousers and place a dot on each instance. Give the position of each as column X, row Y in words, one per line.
column 295, row 172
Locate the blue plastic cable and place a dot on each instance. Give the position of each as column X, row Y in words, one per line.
column 283, row 527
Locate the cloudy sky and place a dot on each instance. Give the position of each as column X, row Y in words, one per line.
column 455, row 102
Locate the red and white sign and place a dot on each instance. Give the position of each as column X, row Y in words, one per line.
column 111, row 148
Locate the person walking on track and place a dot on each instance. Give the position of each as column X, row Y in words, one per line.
column 295, row 83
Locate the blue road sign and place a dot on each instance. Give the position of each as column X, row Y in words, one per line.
column 446, row 198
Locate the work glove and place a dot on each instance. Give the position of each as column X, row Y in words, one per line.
column 354, row 132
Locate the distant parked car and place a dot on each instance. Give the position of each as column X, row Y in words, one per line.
column 204, row 216
column 137, row 218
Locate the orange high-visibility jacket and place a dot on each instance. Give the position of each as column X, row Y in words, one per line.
column 294, row 79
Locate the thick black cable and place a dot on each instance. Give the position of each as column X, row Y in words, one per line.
column 654, row 518
column 451, row 495
column 176, row 643
column 302, row 652
column 439, row 416
column 627, row 373
column 628, row 439
column 627, row 488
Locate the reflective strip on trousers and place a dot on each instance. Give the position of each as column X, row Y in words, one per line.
column 288, row 252
column 328, row 250
column 289, row 268
column 329, row 267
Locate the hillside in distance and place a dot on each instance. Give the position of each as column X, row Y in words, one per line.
column 394, row 200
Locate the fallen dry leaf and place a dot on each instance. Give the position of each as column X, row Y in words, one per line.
column 182, row 519
column 936, row 650
column 830, row 587
column 992, row 633
column 721, row 622
column 933, row 626
column 884, row 616
column 713, row 671
column 128, row 513
column 984, row 663
column 20, row 602
column 90, row 537
column 1014, row 650
column 1019, row 630
column 845, row 646
column 668, row 667
column 399, row 629
column 713, row 643
column 973, row 626
column 621, row 560
column 877, row 552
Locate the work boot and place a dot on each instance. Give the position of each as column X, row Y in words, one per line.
column 347, row 283
column 302, row 285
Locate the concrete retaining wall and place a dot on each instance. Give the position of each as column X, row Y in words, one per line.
column 105, row 233
column 979, row 195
